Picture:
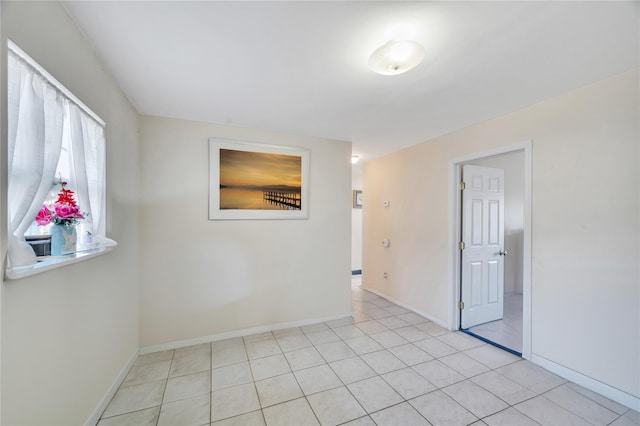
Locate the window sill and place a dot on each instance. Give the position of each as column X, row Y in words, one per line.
column 48, row 263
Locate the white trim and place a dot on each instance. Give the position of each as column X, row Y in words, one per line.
column 94, row 417
column 216, row 213
column 237, row 333
column 55, row 262
column 527, row 253
column 587, row 382
column 454, row 237
column 13, row 48
column 431, row 318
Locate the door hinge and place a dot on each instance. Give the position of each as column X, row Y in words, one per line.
column 462, row 186
column 461, row 305
column 461, row 245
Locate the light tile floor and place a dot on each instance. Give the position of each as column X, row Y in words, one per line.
column 384, row 366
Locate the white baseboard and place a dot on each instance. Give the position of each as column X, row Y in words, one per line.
column 106, row 399
column 237, row 333
column 594, row 385
column 431, row 318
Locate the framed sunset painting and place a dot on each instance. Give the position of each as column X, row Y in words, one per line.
column 257, row 181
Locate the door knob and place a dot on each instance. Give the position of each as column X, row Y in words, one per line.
column 503, row 252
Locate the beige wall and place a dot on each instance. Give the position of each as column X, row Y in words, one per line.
column 201, row 277
column 67, row 333
column 585, row 230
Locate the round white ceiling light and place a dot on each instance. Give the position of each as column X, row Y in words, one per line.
column 396, row 57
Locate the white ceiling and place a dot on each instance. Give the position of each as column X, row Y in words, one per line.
column 301, row 67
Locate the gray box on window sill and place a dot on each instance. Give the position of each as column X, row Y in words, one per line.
column 41, row 244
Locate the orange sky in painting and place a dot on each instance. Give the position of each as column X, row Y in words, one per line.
column 244, row 168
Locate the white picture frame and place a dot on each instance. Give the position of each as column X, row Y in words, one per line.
column 254, row 181
column 357, row 199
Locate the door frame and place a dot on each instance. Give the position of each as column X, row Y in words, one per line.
column 455, row 258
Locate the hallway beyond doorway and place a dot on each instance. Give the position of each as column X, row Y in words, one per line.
column 506, row 332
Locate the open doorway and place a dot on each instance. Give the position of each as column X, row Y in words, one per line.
column 511, row 329
column 505, row 329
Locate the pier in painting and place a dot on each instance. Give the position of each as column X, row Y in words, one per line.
column 285, row 199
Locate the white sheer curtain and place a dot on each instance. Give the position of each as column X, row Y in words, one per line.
column 36, row 117
column 88, row 153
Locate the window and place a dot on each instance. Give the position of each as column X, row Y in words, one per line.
column 53, row 138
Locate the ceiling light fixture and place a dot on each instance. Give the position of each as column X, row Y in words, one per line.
column 396, row 57
column 354, row 159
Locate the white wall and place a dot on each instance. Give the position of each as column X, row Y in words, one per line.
column 513, row 166
column 586, row 227
column 66, row 334
column 202, row 278
column 356, row 224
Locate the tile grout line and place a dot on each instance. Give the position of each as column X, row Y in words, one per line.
column 166, row 383
column 253, row 377
column 304, row 395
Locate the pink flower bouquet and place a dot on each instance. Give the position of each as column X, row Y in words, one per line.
column 65, row 210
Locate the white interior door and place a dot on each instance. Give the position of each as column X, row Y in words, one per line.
column 482, row 268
